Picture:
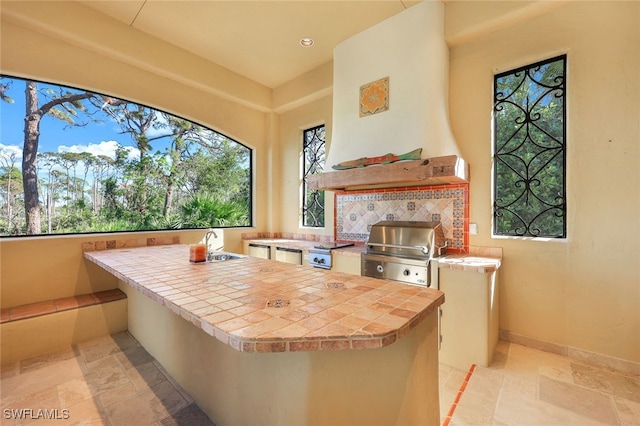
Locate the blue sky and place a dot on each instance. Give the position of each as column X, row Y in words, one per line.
column 55, row 136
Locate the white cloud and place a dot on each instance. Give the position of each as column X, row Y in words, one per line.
column 7, row 151
column 107, row 148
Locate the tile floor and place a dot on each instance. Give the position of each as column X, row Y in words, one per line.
column 113, row 381
column 524, row 386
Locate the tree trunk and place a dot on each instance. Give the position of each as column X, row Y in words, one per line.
column 9, row 205
column 29, row 158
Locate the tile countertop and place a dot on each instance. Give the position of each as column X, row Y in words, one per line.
column 258, row 305
column 465, row 262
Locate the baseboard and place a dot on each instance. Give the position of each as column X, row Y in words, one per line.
column 573, row 353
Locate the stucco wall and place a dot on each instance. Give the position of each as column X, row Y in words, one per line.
column 292, row 125
column 53, row 44
column 583, row 292
column 36, row 269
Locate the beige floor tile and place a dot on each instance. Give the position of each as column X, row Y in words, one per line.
column 85, row 413
column 525, row 363
column 562, row 374
column 46, row 399
column 527, row 386
column 190, row 415
column 149, row 406
column 628, row 412
column 124, row 340
column 473, row 410
column 446, row 400
column 113, row 381
column 105, row 379
column 46, row 377
column 103, row 384
column 514, row 410
column 109, row 361
column 134, row 356
column 447, row 395
column 73, row 392
column 95, row 349
column 454, row 380
column 98, row 348
column 537, row 356
column 117, row 394
column 519, row 387
column 585, row 402
column 145, row 376
column 612, row 382
column 485, row 383
column 39, row 361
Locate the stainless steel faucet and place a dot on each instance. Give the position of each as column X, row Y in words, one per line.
column 207, row 236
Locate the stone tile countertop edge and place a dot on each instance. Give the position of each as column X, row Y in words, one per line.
column 258, row 305
column 479, row 259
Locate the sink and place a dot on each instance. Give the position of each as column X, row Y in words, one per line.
column 215, row 256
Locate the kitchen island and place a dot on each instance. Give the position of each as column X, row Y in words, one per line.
column 263, row 342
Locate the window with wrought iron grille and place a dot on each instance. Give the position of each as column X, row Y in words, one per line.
column 529, row 151
column 313, row 163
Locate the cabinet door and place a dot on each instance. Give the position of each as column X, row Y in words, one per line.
column 259, row 250
column 469, row 318
column 288, row 255
column 347, row 264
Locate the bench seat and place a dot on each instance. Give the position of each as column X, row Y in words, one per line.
column 32, row 310
column 37, row 328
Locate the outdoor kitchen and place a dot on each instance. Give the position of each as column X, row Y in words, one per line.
column 390, row 208
column 285, row 322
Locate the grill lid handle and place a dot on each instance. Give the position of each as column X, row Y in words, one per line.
column 423, row 249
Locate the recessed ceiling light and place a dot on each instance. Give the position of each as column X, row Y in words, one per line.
column 306, row 42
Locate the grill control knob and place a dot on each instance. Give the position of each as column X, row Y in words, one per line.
column 379, row 268
column 406, row 272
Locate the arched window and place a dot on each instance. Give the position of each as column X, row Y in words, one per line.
column 74, row 161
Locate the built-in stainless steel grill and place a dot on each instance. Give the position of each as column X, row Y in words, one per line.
column 403, row 250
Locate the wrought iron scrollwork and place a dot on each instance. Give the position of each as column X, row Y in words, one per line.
column 313, row 199
column 530, row 150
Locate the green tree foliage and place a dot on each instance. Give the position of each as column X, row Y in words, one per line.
column 11, row 193
column 529, row 154
column 198, row 178
column 206, row 210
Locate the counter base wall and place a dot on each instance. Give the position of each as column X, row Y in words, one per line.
column 394, row 385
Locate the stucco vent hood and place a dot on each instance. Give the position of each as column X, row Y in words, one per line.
column 409, row 54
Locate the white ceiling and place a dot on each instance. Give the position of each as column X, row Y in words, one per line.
column 257, row 39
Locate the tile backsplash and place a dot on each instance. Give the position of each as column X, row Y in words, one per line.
column 356, row 211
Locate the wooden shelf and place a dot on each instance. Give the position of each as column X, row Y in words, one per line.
column 444, row 170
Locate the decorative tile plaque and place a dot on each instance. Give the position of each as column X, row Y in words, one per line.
column 374, row 97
